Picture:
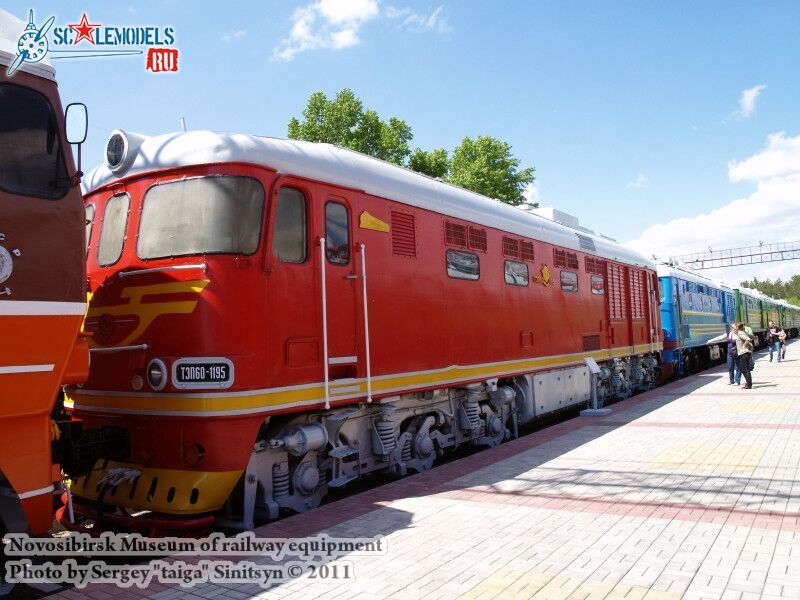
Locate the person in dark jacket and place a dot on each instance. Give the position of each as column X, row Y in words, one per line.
column 733, row 366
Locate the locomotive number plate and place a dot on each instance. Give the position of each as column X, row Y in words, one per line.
column 202, row 373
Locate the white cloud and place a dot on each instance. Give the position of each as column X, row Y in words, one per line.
column 335, row 24
column 345, row 12
column 640, row 181
column 780, row 157
column 331, row 24
column 747, row 102
column 418, row 21
column 234, row 35
column 132, row 10
column 770, row 214
column 531, row 193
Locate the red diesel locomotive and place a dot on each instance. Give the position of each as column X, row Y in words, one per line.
column 273, row 318
column 42, row 277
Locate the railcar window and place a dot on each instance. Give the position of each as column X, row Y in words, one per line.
column 516, row 273
column 598, row 285
column 463, row 265
column 337, row 233
column 112, row 232
column 203, row 215
column 31, row 156
column 569, row 281
column 290, row 234
column 89, row 223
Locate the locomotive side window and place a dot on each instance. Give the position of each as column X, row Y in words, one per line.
column 89, row 223
column 202, row 215
column 598, row 285
column 31, row 158
column 290, row 231
column 112, row 233
column 463, row 265
column 516, row 273
column 569, row 281
column 337, row 233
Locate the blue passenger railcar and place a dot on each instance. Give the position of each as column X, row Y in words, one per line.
column 694, row 310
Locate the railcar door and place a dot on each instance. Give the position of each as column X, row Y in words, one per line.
column 338, row 261
column 294, row 341
column 653, row 326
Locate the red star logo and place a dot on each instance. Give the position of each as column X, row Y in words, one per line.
column 84, row 30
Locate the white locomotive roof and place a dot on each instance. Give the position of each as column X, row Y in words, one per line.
column 755, row 293
column 11, row 28
column 785, row 304
column 350, row 169
column 670, row 271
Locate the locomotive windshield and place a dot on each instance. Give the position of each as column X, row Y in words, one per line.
column 204, row 215
column 31, row 156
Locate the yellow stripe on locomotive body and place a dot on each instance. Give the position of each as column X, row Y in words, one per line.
column 716, row 315
column 281, row 399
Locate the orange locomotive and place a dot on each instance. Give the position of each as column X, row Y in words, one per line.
column 272, row 319
column 42, row 281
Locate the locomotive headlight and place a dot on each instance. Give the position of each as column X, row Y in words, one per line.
column 121, row 150
column 116, row 149
column 157, row 374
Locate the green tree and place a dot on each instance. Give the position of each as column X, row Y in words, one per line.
column 344, row 121
column 487, row 166
column 484, row 165
column 788, row 290
column 435, row 163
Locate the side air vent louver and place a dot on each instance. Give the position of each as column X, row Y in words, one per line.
column 404, row 236
column 591, row 342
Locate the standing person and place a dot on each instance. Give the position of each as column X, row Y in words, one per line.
column 733, row 366
column 744, row 348
column 773, row 340
column 782, row 337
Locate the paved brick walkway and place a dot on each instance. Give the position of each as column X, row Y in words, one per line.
column 689, row 491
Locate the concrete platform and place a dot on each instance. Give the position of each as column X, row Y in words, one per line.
column 688, row 491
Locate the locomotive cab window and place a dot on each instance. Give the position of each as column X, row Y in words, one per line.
column 337, row 233
column 290, row 231
column 89, row 223
column 31, row 156
column 463, row 265
column 203, row 215
column 598, row 285
column 569, row 281
column 112, row 232
column 516, row 273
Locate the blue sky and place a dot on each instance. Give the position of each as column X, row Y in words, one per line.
column 630, row 111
